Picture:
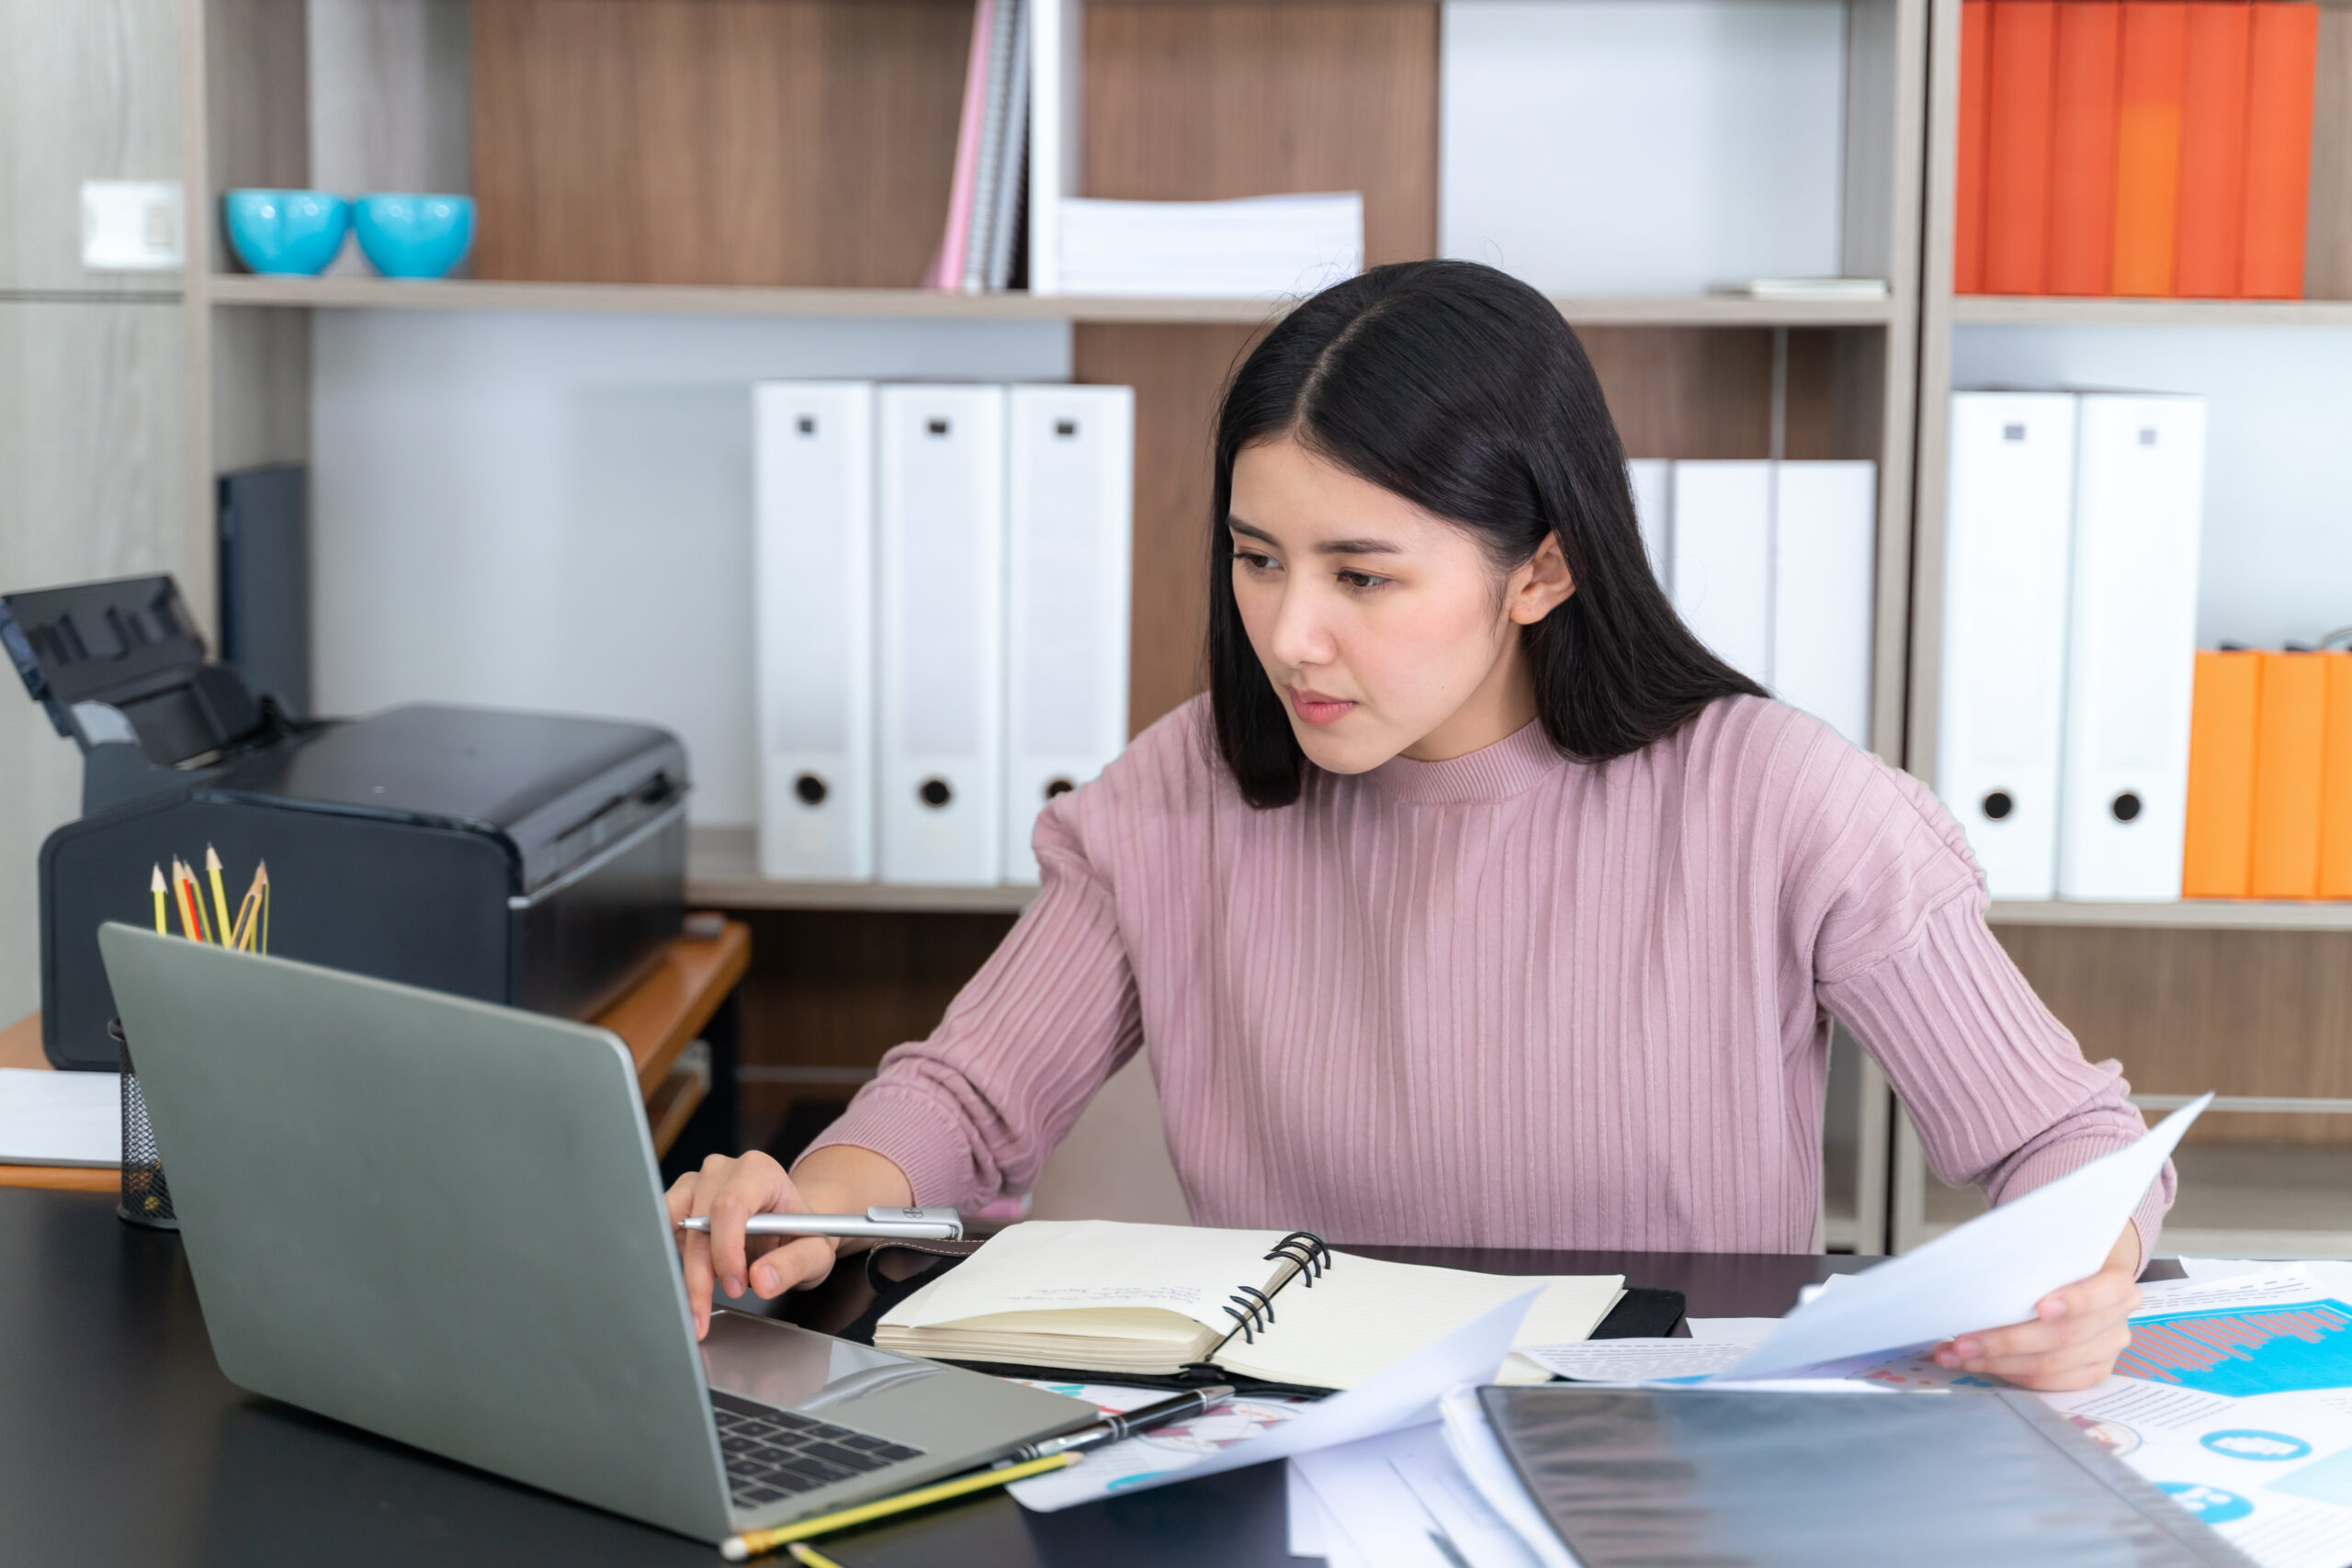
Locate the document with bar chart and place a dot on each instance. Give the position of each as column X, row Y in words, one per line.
column 2235, row 1398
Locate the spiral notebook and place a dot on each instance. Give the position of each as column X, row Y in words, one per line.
column 1105, row 1297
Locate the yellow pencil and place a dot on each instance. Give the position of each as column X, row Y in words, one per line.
column 157, row 888
column 241, row 934
column 735, row 1549
column 262, row 876
column 219, row 896
column 808, row 1556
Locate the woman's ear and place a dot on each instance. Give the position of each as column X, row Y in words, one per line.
column 1542, row 585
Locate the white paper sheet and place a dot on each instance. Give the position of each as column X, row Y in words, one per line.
column 1366, row 1503
column 1405, row 1394
column 1733, row 1331
column 59, row 1118
column 1988, row 1272
column 1635, row 1361
column 1475, row 1449
column 1480, row 1536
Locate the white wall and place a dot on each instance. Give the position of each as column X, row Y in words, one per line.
column 2276, row 561
column 554, row 511
column 1643, row 146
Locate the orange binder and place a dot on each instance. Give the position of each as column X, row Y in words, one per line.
column 1975, row 81
column 2147, row 145
column 2283, row 61
column 2219, row 852
column 2212, row 150
column 2336, row 783
column 2017, row 147
column 2082, row 147
column 2291, row 736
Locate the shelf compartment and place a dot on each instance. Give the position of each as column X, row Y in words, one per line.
column 700, row 299
column 723, row 872
column 2183, row 914
column 2019, row 311
column 2236, row 1200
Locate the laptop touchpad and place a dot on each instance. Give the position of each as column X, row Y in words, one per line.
column 774, row 1363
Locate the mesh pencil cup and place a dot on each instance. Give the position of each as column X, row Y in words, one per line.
column 146, row 1196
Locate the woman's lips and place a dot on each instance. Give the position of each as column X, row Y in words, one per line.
column 1317, row 709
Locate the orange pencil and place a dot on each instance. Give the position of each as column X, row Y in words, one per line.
column 191, row 914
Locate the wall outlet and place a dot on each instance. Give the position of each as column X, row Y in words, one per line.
column 133, row 225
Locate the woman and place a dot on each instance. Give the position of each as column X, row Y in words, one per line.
column 1476, row 902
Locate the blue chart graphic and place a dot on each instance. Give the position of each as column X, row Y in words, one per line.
column 2330, row 1481
column 2212, row 1505
column 2245, row 1350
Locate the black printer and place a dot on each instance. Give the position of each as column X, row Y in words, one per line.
column 519, row 858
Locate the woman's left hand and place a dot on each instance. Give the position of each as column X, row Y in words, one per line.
column 2073, row 1336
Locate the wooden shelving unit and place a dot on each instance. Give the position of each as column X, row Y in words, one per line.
column 344, row 293
column 2187, row 914
column 2190, row 995
column 593, row 132
column 2008, row 310
column 722, row 871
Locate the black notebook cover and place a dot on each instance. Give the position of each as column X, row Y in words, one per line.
column 1740, row 1479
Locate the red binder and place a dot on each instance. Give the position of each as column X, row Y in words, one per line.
column 2017, row 147
column 2212, row 150
column 1975, row 82
column 2284, row 57
column 2147, row 145
column 2082, row 147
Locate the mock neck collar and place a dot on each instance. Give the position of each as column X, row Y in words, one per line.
column 1516, row 763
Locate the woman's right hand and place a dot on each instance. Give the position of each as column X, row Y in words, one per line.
column 730, row 1191
column 836, row 1181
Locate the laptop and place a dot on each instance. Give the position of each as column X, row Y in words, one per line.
column 441, row 1220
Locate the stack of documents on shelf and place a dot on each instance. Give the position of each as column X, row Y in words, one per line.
column 977, row 247
column 59, row 1118
column 1798, row 289
column 1261, row 247
column 2270, row 776
column 1773, row 565
column 940, row 604
column 2070, row 545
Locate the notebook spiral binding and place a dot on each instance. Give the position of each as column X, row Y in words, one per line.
column 1254, row 1309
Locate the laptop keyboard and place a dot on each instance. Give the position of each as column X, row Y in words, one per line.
column 772, row 1453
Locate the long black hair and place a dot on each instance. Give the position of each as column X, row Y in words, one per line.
column 1461, row 390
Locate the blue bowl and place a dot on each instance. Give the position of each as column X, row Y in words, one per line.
column 294, row 232
column 415, row 236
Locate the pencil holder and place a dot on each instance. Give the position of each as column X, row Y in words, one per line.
column 146, row 1196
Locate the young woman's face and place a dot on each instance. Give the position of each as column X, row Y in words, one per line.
column 1385, row 630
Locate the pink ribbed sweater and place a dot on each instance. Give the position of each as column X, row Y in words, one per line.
column 1507, row 999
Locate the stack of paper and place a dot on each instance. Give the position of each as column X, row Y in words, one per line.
column 59, row 1118
column 1267, row 245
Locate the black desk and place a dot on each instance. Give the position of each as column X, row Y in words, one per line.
column 120, row 1441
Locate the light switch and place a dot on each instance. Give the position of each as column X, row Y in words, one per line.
column 133, row 226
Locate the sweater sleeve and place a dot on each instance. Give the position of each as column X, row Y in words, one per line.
column 972, row 1112
column 1997, row 1088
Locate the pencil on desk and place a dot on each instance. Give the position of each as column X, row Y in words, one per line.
column 157, row 888
column 808, row 1556
column 220, row 895
column 261, row 874
column 735, row 1549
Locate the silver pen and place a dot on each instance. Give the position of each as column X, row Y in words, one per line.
column 937, row 1224
column 1113, row 1427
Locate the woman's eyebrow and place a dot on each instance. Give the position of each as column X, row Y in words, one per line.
column 1327, row 548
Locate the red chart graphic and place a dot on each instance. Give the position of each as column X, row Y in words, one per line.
column 2244, row 1351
